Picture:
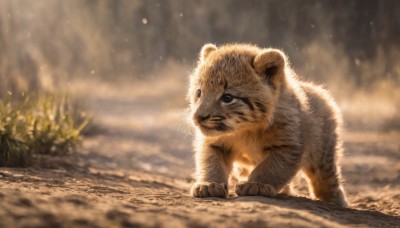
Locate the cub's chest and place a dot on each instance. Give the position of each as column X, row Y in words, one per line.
column 249, row 149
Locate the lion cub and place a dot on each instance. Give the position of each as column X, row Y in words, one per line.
column 250, row 109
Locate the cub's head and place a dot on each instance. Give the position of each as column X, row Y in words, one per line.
column 235, row 87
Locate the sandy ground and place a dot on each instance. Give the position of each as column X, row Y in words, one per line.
column 136, row 171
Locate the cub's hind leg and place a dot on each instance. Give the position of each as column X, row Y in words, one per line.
column 325, row 182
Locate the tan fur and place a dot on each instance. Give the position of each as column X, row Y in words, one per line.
column 275, row 125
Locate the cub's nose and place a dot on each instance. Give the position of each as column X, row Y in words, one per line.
column 201, row 118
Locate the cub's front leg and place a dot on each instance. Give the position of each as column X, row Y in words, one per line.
column 279, row 166
column 212, row 170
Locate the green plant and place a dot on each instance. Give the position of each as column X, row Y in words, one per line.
column 39, row 125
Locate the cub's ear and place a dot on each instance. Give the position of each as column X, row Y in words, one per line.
column 206, row 51
column 270, row 64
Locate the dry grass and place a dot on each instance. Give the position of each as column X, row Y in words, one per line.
column 38, row 125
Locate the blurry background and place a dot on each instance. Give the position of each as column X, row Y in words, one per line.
column 352, row 47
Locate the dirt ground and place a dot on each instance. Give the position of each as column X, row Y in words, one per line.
column 136, row 171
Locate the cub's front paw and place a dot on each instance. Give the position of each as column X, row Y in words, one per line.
column 254, row 189
column 212, row 189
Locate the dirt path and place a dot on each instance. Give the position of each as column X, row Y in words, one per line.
column 137, row 172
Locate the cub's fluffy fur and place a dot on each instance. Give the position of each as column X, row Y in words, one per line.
column 249, row 108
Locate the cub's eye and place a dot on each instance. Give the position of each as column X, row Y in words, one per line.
column 198, row 93
column 227, row 98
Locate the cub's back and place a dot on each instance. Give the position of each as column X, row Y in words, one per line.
column 324, row 122
column 321, row 105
